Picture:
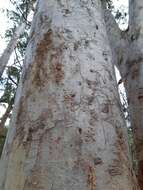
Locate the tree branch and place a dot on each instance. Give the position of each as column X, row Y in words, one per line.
column 118, row 41
column 6, row 114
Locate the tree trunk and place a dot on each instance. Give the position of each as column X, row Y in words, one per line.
column 14, row 40
column 127, row 48
column 135, row 80
column 67, row 129
column 119, row 43
column 6, row 115
column 10, row 48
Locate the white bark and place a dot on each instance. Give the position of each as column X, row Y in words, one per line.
column 10, row 48
column 67, row 130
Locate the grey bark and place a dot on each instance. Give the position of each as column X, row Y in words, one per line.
column 135, row 80
column 67, row 129
column 119, row 43
column 128, row 53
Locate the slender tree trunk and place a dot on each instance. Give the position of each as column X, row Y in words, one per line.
column 13, row 42
column 67, row 130
column 10, row 48
column 127, row 48
column 135, row 80
column 6, row 115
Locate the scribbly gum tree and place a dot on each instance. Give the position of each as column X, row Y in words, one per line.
column 67, row 129
column 135, row 80
column 127, row 48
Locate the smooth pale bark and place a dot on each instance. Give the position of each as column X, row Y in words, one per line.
column 135, row 80
column 130, row 65
column 119, row 43
column 67, row 130
column 10, row 48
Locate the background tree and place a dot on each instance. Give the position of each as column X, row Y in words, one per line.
column 127, row 49
column 13, row 70
column 17, row 35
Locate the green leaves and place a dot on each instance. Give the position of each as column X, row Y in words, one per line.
column 10, row 84
column 13, row 72
column 8, row 93
column 11, row 76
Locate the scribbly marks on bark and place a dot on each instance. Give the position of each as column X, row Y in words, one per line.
column 40, row 72
column 115, row 168
column 91, row 181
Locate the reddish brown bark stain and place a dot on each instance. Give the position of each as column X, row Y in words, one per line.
column 56, row 66
column 27, row 128
column 42, row 70
column 68, row 99
column 115, row 168
column 58, row 73
column 91, row 181
column 89, row 171
column 38, row 69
